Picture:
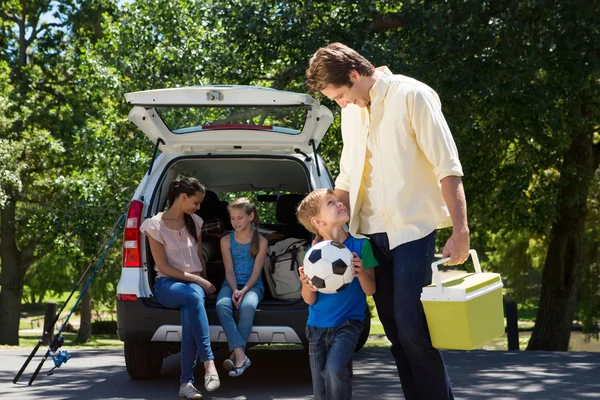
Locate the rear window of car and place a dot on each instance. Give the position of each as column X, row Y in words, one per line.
column 281, row 119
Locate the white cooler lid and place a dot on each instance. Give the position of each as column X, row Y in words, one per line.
column 463, row 287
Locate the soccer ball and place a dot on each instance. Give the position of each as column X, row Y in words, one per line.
column 328, row 265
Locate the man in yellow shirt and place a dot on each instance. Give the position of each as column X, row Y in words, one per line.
column 400, row 178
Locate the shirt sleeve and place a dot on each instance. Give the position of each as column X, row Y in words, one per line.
column 433, row 134
column 367, row 256
column 199, row 222
column 151, row 227
column 342, row 182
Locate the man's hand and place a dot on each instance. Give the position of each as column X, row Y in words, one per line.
column 358, row 265
column 306, row 283
column 457, row 248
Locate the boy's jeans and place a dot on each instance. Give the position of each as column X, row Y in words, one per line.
column 400, row 276
column 195, row 338
column 237, row 334
column 331, row 351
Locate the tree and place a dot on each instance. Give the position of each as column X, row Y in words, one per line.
column 518, row 80
column 521, row 86
column 67, row 173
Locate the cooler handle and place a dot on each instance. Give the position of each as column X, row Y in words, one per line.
column 436, row 272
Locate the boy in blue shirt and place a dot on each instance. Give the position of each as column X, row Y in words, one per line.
column 334, row 320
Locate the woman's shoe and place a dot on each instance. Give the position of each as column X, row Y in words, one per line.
column 237, row 371
column 228, row 364
column 211, row 381
column 189, row 392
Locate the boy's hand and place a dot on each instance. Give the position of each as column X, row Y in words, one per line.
column 307, row 283
column 358, row 265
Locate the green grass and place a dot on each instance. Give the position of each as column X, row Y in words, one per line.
column 97, row 341
column 376, row 327
column 371, row 343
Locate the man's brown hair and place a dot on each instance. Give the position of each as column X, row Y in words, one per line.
column 310, row 207
column 332, row 65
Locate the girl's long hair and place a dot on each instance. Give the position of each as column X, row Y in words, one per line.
column 189, row 186
column 243, row 203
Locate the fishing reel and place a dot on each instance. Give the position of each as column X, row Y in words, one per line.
column 59, row 357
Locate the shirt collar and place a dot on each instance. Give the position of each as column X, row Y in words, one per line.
column 381, row 84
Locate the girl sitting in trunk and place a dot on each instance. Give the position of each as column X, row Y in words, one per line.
column 244, row 252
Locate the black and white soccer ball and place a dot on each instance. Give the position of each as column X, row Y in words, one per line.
column 328, row 264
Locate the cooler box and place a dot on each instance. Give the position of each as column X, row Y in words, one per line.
column 466, row 311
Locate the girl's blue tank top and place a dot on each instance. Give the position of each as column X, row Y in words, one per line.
column 243, row 262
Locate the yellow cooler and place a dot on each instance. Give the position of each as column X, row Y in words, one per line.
column 463, row 312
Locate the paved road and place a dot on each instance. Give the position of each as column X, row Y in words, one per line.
column 101, row 374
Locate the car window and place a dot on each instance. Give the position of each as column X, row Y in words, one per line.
column 282, row 119
column 266, row 203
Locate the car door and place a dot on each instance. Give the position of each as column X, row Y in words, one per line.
column 230, row 120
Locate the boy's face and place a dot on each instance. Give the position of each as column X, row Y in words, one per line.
column 333, row 213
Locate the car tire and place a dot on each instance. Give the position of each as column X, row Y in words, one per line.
column 143, row 359
column 364, row 335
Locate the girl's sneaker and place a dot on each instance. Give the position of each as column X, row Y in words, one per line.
column 211, row 381
column 189, row 392
column 237, row 371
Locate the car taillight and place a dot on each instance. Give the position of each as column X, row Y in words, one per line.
column 127, row 297
column 131, row 240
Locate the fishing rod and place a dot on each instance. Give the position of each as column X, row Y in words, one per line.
column 60, row 357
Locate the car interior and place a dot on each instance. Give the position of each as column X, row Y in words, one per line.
column 276, row 185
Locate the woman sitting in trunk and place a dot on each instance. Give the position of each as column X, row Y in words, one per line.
column 176, row 244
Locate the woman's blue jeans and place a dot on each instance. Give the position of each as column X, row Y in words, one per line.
column 400, row 276
column 195, row 337
column 237, row 334
column 330, row 351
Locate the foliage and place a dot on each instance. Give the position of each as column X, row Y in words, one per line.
column 518, row 83
column 589, row 310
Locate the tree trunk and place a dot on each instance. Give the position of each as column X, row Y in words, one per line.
column 562, row 269
column 11, row 278
column 85, row 326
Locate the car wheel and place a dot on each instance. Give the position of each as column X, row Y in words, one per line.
column 365, row 332
column 144, row 358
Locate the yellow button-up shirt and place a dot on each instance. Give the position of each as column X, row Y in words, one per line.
column 411, row 151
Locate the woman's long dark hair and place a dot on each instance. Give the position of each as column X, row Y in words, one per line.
column 249, row 207
column 189, row 186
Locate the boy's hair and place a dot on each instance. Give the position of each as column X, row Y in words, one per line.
column 310, row 207
column 332, row 65
column 244, row 204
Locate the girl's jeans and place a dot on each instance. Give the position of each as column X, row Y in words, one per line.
column 195, row 340
column 237, row 334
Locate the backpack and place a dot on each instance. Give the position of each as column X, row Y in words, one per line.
column 281, row 268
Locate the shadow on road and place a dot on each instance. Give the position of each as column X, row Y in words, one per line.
column 101, row 374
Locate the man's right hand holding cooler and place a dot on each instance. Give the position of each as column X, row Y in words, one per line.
column 306, row 282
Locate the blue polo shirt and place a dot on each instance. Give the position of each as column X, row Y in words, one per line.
column 331, row 310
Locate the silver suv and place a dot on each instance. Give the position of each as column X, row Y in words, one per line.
column 237, row 140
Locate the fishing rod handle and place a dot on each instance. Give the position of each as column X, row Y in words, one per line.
column 37, row 370
column 31, row 355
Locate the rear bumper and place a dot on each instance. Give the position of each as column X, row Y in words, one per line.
column 259, row 334
column 274, row 323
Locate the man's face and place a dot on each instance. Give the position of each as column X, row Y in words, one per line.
column 357, row 94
